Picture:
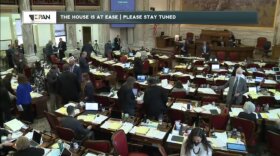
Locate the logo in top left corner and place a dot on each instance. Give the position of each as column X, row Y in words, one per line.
column 39, row 17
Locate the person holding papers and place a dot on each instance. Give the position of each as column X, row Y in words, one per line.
column 72, row 123
column 126, row 96
column 249, row 109
column 24, row 149
column 237, row 87
column 24, row 98
column 155, row 98
column 196, row 144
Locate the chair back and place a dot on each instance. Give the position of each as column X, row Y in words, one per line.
column 220, row 82
column 273, row 142
column 175, row 115
column 53, row 120
column 120, row 143
column 65, row 133
column 260, row 42
column 224, row 153
column 121, row 74
column 146, row 67
column 198, row 81
column 233, row 56
column 177, row 95
column 221, row 55
column 219, row 122
column 247, row 127
column 54, row 59
column 98, row 145
column 270, row 100
column 183, row 79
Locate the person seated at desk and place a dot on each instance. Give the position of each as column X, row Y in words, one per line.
column 155, row 98
column 205, row 51
column 24, row 149
column 248, row 113
column 196, row 144
column 72, row 123
column 126, row 96
column 5, row 146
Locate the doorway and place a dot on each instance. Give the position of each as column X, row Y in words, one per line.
column 86, row 35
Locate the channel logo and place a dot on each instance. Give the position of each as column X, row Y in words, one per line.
column 34, row 17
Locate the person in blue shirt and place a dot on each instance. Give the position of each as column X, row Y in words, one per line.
column 24, row 98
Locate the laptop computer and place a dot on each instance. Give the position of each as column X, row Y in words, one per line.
column 259, row 79
column 253, row 69
column 36, row 139
column 127, row 65
column 141, row 78
column 277, row 78
column 215, row 67
column 236, row 147
column 165, row 70
column 214, row 111
column 276, row 69
column 177, row 138
column 130, row 54
column 91, row 107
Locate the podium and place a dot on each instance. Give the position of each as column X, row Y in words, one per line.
column 163, row 41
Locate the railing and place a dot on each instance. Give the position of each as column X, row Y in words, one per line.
column 9, row 2
column 87, row 2
column 48, row 2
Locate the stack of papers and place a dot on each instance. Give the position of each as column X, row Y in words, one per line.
column 206, row 91
column 87, row 118
column 142, row 130
column 115, row 125
column 14, row 125
column 126, row 127
column 235, row 111
column 51, row 152
column 99, row 119
column 150, row 124
column 35, row 95
column 63, row 111
column 179, row 106
column 70, row 104
column 154, row 133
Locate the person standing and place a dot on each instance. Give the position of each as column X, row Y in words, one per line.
column 19, row 62
column 237, row 87
column 74, row 68
column 89, row 49
column 68, row 86
column 126, row 97
column 52, row 77
column 196, row 144
column 5, row 104
column 87, row 88
column 108, row 49
column 61, row 48
column 84, row 66
column 10, row 55
column 49, row 50
column 155, row 98
column 24, row 98
column 138, row 65
column 38, row 77
column 117, row 43
column 205, row 51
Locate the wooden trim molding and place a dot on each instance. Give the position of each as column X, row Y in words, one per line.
column 48, row 7
column 9, row 8
column 87, row 8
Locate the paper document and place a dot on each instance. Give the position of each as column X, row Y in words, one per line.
column 14, row 125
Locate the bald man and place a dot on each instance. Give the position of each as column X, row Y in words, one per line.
column 237, row 87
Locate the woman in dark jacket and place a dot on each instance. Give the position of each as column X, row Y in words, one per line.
column 52, row 77
column 126, row 97
column 38, row 77
column 138, row 65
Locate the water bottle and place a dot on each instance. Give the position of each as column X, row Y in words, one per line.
column 266, row 107
column 60, row 145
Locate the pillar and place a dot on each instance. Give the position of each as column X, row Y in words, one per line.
column 139, row 29
column 276, row 37
column 71, row 32
column 27, row 35
column 104, row 29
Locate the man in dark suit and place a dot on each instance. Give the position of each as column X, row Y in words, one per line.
column 88, row 48
column 237, row 87
column 205, row 51
column 155, row 98
column 10, row 54
column 49, row 50
column 61, row 48
column 72, row 123
column 68, row 86
column 84, row 66
column 117, row 43
column 74, row 68
column 108, row 50
column 126, row 97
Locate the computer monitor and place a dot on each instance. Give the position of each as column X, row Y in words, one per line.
column 259, row 79
column 130, row 54
column 91, row 107
column 236, row 147
column 215, row 67
column 165, row 70
column 127, row 65
column 277, row 77
column 276, row 69
column 66, row 152
column 141, row 78
column 36, row 138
